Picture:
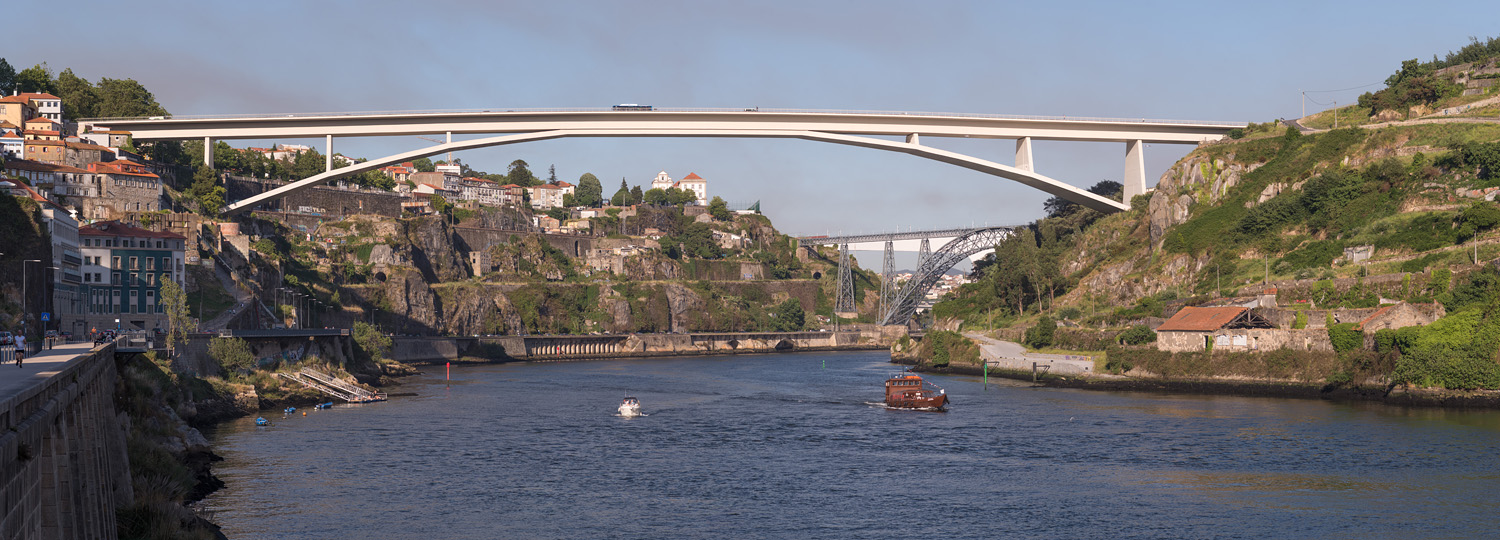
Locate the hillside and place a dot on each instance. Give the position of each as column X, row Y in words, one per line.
column 1355, row 217
column 442, row 275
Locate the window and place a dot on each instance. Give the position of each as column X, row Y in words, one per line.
column 96, row 277
column 158, row 244
column 150, row 263
column 134, row 280
column 165, row 277
column 150, row 281
column 114, row 279
column 116, row 264
column 135, row 263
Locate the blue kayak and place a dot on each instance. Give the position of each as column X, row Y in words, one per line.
column 262, row 422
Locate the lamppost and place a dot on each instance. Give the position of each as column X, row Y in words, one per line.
column 26, row 294
column 52, row 304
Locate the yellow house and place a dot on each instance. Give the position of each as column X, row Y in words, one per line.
column 16, row 109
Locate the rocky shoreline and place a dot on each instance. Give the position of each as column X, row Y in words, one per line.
column 1294, row 389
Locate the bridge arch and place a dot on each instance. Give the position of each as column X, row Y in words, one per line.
column 1026, row 177
column 904, row 305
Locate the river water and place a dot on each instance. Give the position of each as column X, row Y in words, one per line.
column 796, row 446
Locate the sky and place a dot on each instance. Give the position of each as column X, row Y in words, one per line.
column 1220, row 61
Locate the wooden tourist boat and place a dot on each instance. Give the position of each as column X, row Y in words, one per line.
column 907, row 390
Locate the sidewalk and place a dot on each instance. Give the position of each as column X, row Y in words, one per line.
column 38, row 367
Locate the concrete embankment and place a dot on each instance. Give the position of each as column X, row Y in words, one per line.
column 429, row 350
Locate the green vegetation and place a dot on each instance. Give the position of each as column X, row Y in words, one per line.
column 1039, row 336
column 941, row 348
column 232, row 354
column 370, row 342
column 1139, row 334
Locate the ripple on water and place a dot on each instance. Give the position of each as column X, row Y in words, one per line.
column 776, row 446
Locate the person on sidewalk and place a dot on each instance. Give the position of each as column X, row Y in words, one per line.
column 20, row 348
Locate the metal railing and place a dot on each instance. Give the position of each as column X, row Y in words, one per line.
column 741, row 110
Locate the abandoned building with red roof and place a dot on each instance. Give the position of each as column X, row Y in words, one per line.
column 1224, row 328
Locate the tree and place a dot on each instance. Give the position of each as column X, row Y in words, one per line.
column 789, row 316
column 680, row 197
column 636, row 196
column 519, row 175
column 423, row 165
column 232, row 354
column 7, row 77
column 656, row 196
column 79, row 98
column 698, row 241
column 125, row 97
column 1040, row 335
column 622, row 196
column 719, row 209
column 569, row 200
column 36, row 78
column 174, row 304
column 551, row 174
column 589, row 192
column 206, row 190
column 1058, row 206
column 307, row 163
column 370, row 341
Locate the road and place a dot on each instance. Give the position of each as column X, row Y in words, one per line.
column 1011, row 355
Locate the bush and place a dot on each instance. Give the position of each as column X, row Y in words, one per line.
column 943, row 347
column 370, row 341
column 1138, row 335
column 1345, row 337
column 1300, row 320
column 1040, row 336
column 232, row 354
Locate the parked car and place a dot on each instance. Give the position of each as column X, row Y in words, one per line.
column 6, row 338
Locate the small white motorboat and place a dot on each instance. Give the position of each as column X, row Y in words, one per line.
column 630, row 407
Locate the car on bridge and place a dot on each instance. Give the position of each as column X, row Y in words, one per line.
column 633, row 107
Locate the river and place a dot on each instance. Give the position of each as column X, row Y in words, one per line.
column 796, row 446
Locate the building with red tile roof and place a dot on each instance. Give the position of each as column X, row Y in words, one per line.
column 124, row 269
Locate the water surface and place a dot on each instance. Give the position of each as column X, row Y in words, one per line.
column 796, row 445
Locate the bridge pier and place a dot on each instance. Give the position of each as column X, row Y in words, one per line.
column 844, row 303
column 1023, row 154
column 208, row 152
column 1135, row 169
column 328, row 156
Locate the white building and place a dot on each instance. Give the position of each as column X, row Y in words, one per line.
column 692, row 182
column 696, row 184
column 545, row 196
column 47, row 106
column 483, row 191
column 662, row 181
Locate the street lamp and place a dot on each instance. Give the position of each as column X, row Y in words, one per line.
column 52, row 304
column 26, row 294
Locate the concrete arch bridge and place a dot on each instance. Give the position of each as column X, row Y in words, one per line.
column 853, row 128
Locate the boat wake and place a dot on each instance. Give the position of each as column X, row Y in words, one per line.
column 880, row 405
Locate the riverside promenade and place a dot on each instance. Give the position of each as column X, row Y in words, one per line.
column 37, row 368
column 63, row 464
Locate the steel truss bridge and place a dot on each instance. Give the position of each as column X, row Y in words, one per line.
column 897, row 306
column 879, row 130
